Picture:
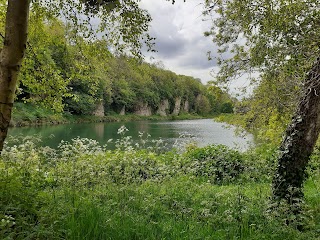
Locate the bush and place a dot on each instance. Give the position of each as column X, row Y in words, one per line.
column 218, row 162
column 80, row 104
column 227, row 107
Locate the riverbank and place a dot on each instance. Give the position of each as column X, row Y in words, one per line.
column 29, row 115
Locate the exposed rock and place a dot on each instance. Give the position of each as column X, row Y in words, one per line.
column 99, row 111
column 177, row 106
column 123, row 111
column 142, row 109
column 186, row 106
column 198, row 98
column 163, row 107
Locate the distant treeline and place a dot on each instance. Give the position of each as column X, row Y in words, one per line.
column 69, row 73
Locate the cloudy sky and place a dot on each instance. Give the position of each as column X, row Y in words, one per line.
column 180, row 41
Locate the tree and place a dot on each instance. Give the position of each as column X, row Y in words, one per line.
column 44, row 74
column 10, row 58
column 87, row 76
column 121, row 21
column 276, row 37
column 270, row 106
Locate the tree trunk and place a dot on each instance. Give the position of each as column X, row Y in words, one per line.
column 297, row 146
column 10, row 59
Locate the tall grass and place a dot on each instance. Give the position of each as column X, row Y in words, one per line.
column 82, row 191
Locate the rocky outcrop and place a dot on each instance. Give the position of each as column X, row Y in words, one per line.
column 99, row 111
column 163, row 107
column 143, row 109
column 186, row 106
column 123, row 111
column 198, row 98
column 177, row 106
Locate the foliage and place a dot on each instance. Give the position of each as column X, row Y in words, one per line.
column 73, row 74
column 227, row 107
column 67, row 68
column 220, row 99
column 218, row 163
column 83, row 191
column 88, row 81
column 268, row 36
column 29, row 114
column 47, row 70
column 202, row 105
column 42, row 77
column 80, row 104
column 277, row 41
column 113, row 18
column 269, row 109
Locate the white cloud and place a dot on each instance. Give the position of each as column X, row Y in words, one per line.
column 180, row 41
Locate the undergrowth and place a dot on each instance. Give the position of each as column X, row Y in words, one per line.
column 83, row 191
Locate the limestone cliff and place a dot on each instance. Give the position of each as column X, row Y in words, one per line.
column 143, row 109
column 186, row 106
column 163, row 107
column 123, row 111
column 99, row 111
column 177, row 106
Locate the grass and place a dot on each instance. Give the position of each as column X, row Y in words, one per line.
column 25, row 114
column 82, row 191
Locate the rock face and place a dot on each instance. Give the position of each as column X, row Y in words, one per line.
column 198, row 98
column 163, row 107
column 177, row 106
column 142, row 109
column 99, row 112
column 186, row 106
column 123, row 111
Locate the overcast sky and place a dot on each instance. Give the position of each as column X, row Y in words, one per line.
column 180, row 41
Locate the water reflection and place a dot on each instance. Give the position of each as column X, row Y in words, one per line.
column 204, row 131
column 99, row 130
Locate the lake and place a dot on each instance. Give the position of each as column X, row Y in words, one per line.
column 202, row 131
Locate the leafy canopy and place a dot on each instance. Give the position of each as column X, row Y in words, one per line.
column 265, row 35
column 122, row 23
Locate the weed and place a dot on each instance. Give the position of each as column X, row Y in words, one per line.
column 83, row 191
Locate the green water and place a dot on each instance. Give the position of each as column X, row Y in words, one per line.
column 203, row 132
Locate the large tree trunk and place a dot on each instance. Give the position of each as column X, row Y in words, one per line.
column 10, row 59
column 300, row 139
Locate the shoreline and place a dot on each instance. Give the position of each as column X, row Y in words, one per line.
column 65, row 119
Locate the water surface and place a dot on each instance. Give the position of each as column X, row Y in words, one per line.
column 203, row 132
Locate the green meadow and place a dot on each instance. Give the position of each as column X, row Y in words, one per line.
column 83, row 191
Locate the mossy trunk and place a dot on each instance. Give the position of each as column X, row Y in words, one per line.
column 10, row 59
column 299, row 141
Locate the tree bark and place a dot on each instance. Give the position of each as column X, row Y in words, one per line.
column 11, row 56
column 299, row 141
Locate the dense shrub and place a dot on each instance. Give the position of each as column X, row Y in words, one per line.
column 227, row 107
column 80, row 104
column 218, row 162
